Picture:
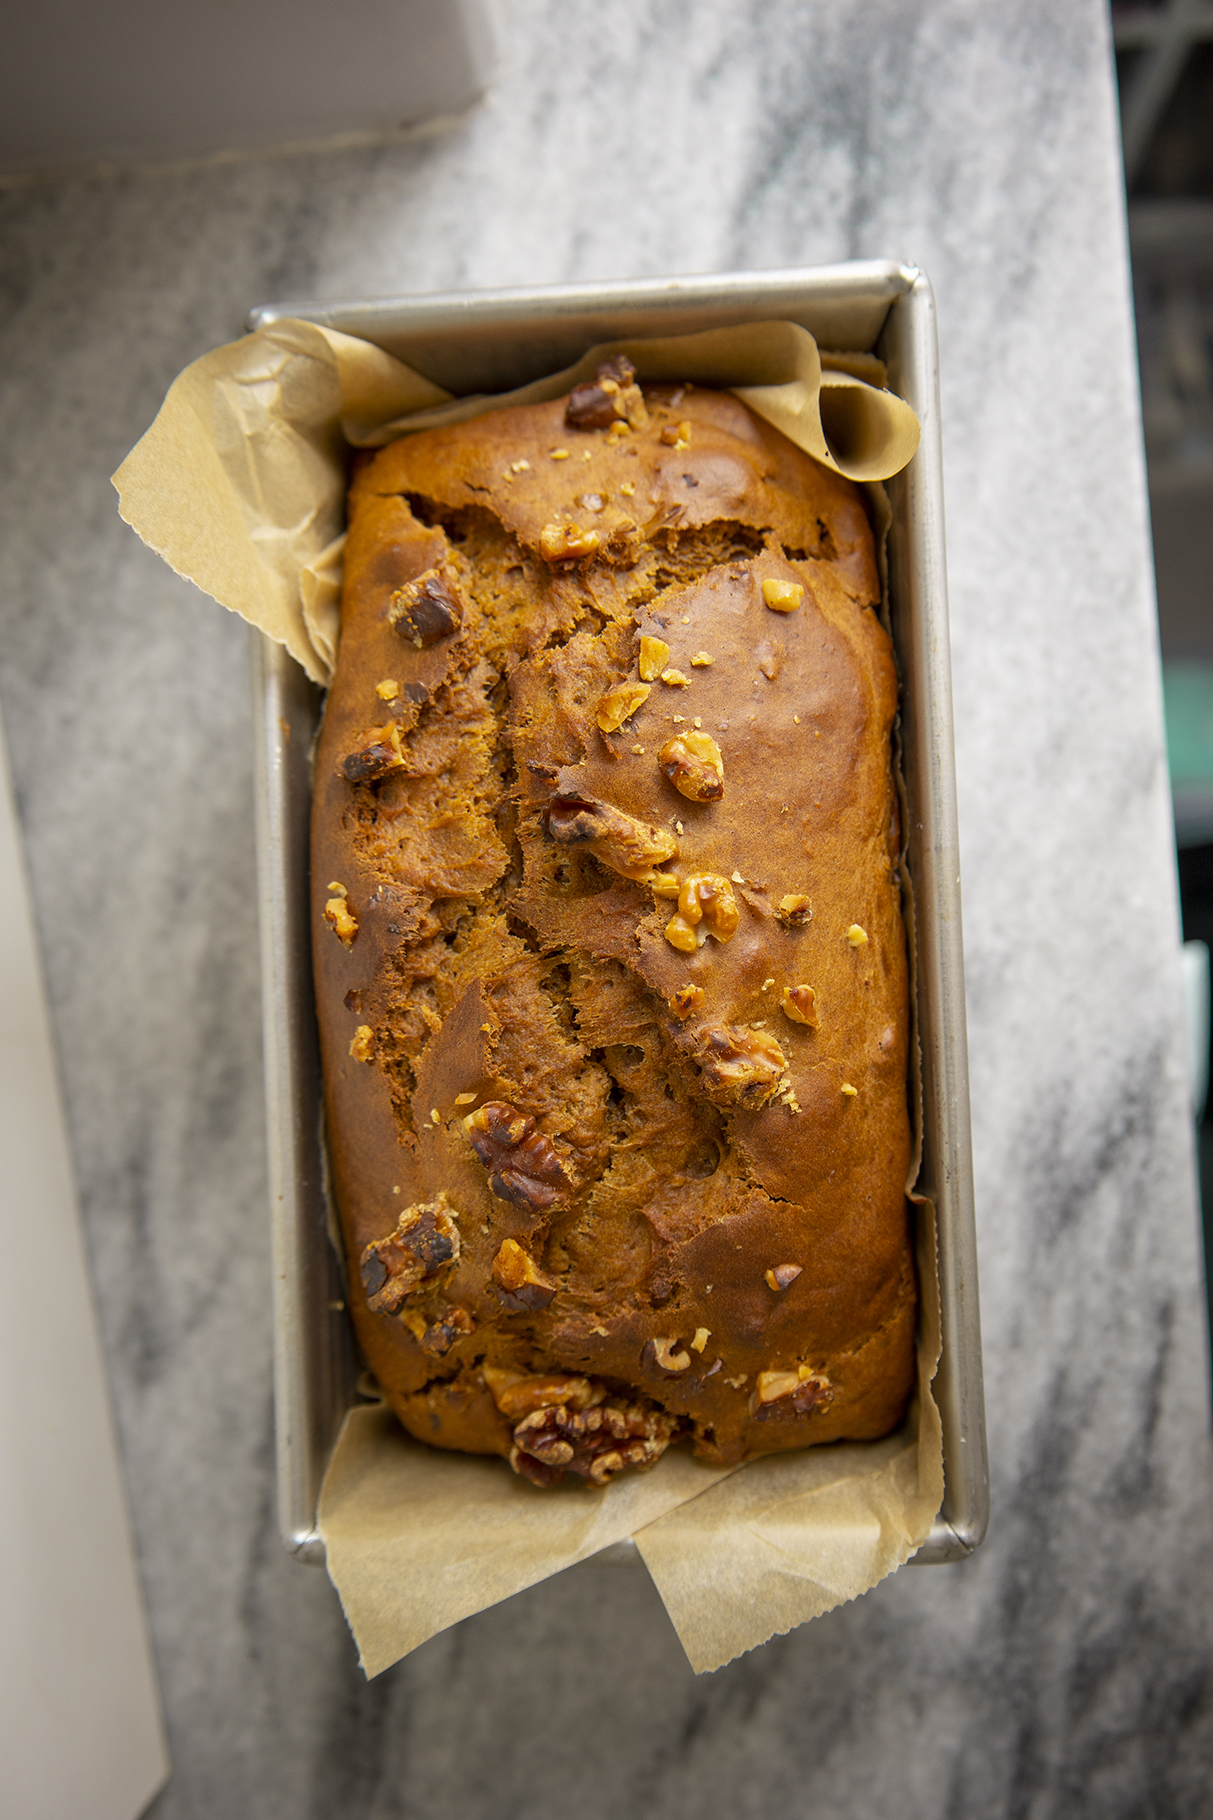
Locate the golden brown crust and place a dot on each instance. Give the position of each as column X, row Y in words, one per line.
column 559, row 933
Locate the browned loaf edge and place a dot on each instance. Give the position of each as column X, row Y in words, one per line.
column 600, row 1190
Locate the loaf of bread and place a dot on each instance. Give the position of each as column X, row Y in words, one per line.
column 609, row 954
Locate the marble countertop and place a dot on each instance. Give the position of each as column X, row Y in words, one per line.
column 1067, row 1669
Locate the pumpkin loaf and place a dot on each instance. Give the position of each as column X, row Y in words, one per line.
column 609, row 954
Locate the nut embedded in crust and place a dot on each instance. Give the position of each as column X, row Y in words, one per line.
column 630, row 847
column 782, row 596
column 800, row 1005
column 566, row 542
column 786, row 1395
column 520, row 1393
column 781, row 1276
column 521, row 1286
column 426, row 610
column 339, row 914
column 523, row 1167
column 441, row 1335
column 612, row 397
column 425, row 1241
column 654, row 656
column 694, row 766
column 706, row 906
column 668, row 1355
column 740, row 1067
column 686, row 1001
column 795, row 910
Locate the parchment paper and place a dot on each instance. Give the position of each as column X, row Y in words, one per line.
column 239, row 484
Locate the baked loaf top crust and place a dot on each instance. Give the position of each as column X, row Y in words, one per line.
column 609, row 955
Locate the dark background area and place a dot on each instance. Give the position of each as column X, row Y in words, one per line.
column 1164, row 65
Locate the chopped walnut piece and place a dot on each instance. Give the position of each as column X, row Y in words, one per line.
column 339, row 915
column 521, row 1286
column 677, row 435
column 566, row 542
column 769, row 656
column 611, row 397
column 520, row 1393
column 800, row 1004
column 706, row 906
column 740, row 1067
column 362, row 1045
column 619, row 704
column 388, row 689
column 788, row 1394
column 782, row 596
column 440, row 1335
column 593, row 502
column 795, row 910
column 654, row 655
column 426, row 610
column 857, row 937
column 523, row 1167
column 850, row 1092
column 425, row 1241
column 628, row 846
column 701, row 660
column 693, row 764
column 627, row 488
column 702, row 1336
column 668, row 1355
column 674, row 679
column 380, row 755
column 595, row 1443
column 779, row 1278
column 559, row 454
column 686, row 1001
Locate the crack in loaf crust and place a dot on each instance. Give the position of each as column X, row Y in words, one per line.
column 599, row 1187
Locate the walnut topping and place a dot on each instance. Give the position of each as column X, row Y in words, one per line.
column 362, row 1045
column 694, row 766
column 440, row 1336
column 686, row 1001
column 521, row 1286
column 788, row 1394
column 595, row 1443
column 566, row 542
column 782, row 596
column 339, row 915
column 795, row 910
column 677, row 435
column 630, row 847
column 627, row 488
column 426, row 610
column 706, row 906
column 425, row 1241
column 559, row 454
column 523, row 1167
column 654, row 655
column 850, row 1092
column 674, row 679
column 783, row 1274
column 520, row 1393
column 611, row 397
column 702, row 1336
column 619, row 704
column 770, row 658
column 388, row 689
column 668, row 1354
column 857, row 937
column 800, row 1004
column 701, row 660
column 376, row 758
column 740, row 1067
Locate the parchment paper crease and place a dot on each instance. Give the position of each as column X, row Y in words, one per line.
column 239, row 484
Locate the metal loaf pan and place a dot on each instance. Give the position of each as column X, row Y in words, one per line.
column 490, row 341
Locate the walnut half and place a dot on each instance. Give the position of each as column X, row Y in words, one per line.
column 693, row 764
column 594, row 1443
column 523, row 1167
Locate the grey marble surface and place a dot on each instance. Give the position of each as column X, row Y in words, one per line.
column 1067, row 1670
